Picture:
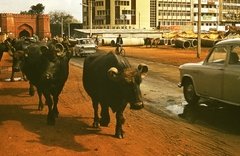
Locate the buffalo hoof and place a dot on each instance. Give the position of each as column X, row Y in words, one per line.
column 136, row 106
column 104, row 122
column 51, row 119
column 31, row 92
column 40, row 107
column 96, row 125
column 120, row 135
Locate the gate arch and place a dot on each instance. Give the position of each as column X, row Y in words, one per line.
column 25, row 30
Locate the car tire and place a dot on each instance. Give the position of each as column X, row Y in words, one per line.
column 189, row 93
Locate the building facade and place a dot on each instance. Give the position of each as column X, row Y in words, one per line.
column 160, row 14
column 117, row 14
column 18, row 25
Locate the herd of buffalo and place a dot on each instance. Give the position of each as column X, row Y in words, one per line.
column 108, row 78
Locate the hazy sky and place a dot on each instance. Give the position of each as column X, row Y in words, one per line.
column 72, row 7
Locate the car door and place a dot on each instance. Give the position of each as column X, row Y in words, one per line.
column 231, row 79
column 211, row 74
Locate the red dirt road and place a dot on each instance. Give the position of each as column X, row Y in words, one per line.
column 24, row 129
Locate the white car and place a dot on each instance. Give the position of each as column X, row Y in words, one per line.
column 217, row 77
column 84, row 47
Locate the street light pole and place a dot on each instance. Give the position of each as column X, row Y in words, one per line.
column 90, row 18
column 139, row 20
column 62, row 26
column 90, row 15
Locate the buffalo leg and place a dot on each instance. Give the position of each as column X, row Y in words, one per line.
column 51, row 114
column 96, row 117
column 104, row 121
column 119, row 133
column 31, row 89
column 24, row 77
column 55, row 109
column 40, row 103
column 12, row 76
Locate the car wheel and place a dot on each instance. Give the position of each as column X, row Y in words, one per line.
column 189, row 93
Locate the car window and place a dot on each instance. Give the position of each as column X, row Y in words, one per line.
column 234, row 55
column 218, row 55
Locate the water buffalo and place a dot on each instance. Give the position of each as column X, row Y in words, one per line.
column 152, row 41
column 110, row 80
column 5, row 47
column 18, row 57
column 47, row 68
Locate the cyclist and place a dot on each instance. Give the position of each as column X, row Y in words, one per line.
column 119, row 42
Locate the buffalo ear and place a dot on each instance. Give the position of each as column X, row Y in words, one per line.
column 143, row 68
column 44, row 49
column 112, row 73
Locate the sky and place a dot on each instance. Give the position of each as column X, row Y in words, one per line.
column 71, row 7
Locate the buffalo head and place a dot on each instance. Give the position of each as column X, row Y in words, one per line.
column 129, row 80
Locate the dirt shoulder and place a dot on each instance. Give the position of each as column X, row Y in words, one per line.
column 24, row 130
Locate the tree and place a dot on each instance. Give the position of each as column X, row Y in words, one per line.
column 56, row 18
column 35, row 9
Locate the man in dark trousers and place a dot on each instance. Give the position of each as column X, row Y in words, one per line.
column 119, row 42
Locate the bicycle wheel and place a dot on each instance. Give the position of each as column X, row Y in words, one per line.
column 122, row 52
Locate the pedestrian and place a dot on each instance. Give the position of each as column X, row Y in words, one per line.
column 119, row 42
column 96, row 40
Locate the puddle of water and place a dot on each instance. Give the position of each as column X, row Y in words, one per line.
column 177, row 108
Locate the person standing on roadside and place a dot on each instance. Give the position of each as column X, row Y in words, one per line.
column 96, row 40
column 119, row 42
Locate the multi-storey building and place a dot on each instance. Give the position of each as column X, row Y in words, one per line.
column 230, row 12
column 209, row 14
column 172, row 14
column 117, row 14
column 160, row 14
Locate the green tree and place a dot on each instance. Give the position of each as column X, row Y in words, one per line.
column 59, row 18
column 35, row 9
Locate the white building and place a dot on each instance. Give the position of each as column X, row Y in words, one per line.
column 160, row 14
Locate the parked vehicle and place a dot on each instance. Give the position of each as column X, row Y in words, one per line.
column 84, row 47
column 217, row 77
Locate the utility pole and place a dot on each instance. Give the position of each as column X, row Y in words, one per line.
column 90, row 18
column 90, row 15
column 139, row 20
column 199, row 29
column 62, row 26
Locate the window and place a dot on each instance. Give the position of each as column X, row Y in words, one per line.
column 218, row 55
column 234, row 55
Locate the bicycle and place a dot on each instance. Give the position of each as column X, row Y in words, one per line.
column 121, row 50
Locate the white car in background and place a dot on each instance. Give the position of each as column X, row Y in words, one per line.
column 217, row 77
column 84, row 47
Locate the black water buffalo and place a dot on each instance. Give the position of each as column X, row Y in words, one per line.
column 110, row 80
column 18, row 57
column 47, row 68
column 152, row 41
column 5, row 47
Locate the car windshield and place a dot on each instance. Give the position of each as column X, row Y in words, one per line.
column 87, row 41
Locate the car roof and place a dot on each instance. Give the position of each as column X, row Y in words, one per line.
column 235, row 41
column 84, row 39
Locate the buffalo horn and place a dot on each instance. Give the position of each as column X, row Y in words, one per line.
column 143, row 68
column 112, row 73
column 11, row 49
column 61, row 49
column 42, row 49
